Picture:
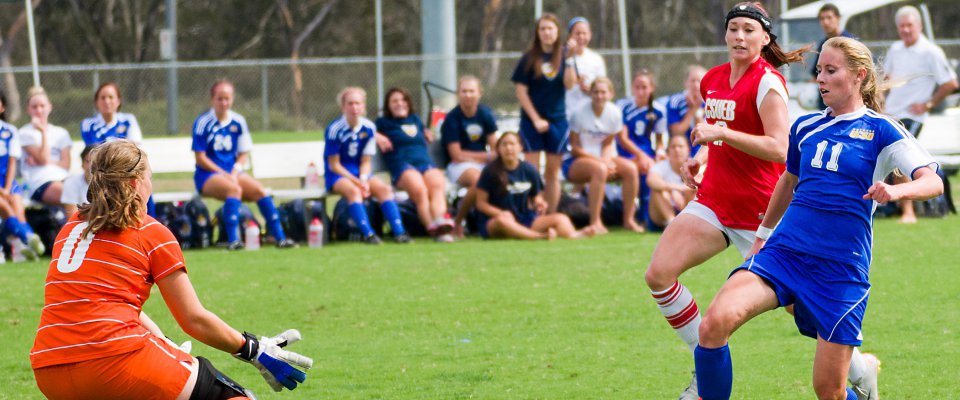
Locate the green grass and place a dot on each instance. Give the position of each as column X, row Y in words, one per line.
column 518, row 320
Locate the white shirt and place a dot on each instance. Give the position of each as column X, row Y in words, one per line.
column 594, row 130
column 74, row 190
column 36, row 175
column 922, row 66
column 663, row 170
column 588, row 66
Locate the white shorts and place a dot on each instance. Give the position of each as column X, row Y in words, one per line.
column 741, row 238
column 455, row 169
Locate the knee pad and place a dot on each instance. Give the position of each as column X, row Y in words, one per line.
column 214, row 385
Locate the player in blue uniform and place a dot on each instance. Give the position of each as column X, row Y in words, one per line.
column 818, row 258
column 646, row 124
column 347, row 169
column 11, row 194
column 221, row 145
column 468, row 134
column 403, row 141
column 542, row 79
column 111, row 124
column 684, row 108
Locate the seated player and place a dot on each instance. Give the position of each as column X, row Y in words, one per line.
column 221, row 146
column 468, row 134
column 646, row 136
column 93, row 340
column 403, row 141
column 15, row 230
column 47, row 151
column 668, row 193
column 593, row 130
column 75, row 186
column 349, row 146
column 685, row 108
column 510, row 199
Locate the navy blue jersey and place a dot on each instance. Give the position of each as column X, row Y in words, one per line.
column 547, row 92
column 222, row 142
column 837, row 159
column 9, row 147
column 524, row 183
column 406, row 136
column 472, row 133
column 637, row 120
column 350, row 143
column 676, row 106
column 95, row 130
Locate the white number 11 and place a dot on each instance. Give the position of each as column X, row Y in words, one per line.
column 832, row 165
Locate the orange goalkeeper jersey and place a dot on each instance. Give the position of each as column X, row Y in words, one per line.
column 95, row 290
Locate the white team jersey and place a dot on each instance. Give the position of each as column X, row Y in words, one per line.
column 593, row 129
column 36, row 175
column 75, row 190
column 588, row 66
column 662, row 169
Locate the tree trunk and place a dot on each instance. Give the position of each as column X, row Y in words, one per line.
column 494, row 19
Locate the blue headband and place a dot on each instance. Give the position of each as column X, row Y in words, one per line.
column 574, row 21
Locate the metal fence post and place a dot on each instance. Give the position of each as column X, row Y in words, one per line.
column 264, row 102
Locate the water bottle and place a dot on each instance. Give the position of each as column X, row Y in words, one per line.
column 312, row 179
column 251, row 236
column 315, row 234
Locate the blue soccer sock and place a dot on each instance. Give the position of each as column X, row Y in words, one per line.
column 231, row 217
column 392, row 213
column 269, row 212
column 359, row 216
column 714, row 372
column 13, row 226
column 851, row 395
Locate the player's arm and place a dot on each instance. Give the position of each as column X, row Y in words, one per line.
column 779, row 201
column 570, row 78
column 241, row 162
column 483, row 204
column 926, row 184
column 771, row 146
column 64, row 161
column 206, row 163
column 336, row 167
column 576, row 148
column 457, row 154
column 523, row 97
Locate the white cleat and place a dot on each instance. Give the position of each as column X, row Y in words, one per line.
column 866, row 389
column 690, row 393
column 35, row 244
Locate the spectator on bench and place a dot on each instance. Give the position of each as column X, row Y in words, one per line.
column 348, row 172
column 221, row 145
column 47, row 149
column 403, row 141
column 468, row 135
column 509, row 196
column 11, row 200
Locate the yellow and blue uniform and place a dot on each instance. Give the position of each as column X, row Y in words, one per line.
column 95, row 130
column 548, row 94
column 9, row 147
column 522, row 186
column 222, row 142
column 676, row 107
column 351, row 144
column 409, row 145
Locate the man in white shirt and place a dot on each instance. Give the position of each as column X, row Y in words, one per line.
column 921, row 78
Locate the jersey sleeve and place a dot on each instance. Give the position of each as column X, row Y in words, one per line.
column 519, row 73
column 14, row 148
column 449, row 130
column 793, row 150
column 673, row 111
column 163, row 251
column 489, row 121
column 133, row 132
column 63, row 142
column 332, row 146
column 370, row 149
column 27, row 137
column 487, row 181
column 660, row 126
column 768, row 83
column 85, row 133
column 72, row 190
column 245, row 141
column 199, row 138
column 900, row 150
column 942, row 71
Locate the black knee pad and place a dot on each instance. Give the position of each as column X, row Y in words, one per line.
column 214, row 385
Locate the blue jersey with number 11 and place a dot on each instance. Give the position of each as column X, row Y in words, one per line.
column 837, row 159
column 221, row 141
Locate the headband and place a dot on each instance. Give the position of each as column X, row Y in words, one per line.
column 574, row 21
column 754, row 13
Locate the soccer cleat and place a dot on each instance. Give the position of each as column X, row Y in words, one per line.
column 28, row 253
column 35, row 244
column 866, row 389
column 238, row 245
column 286, row 244
column 372, row 239
column 444, row 238
column 403, row 238
column 441, row 226
column 690, row 393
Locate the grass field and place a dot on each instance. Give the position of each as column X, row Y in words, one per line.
column 552, row 320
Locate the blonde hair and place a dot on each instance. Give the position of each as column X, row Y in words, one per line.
column 114, row 203
column 345, row 91
column 858, row 57
column 606, row 81
column 467, row 78
column 35, row 91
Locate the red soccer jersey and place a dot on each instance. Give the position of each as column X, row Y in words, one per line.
column 96, row 288
column 736, row 185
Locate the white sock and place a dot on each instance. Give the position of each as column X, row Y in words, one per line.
column 678, row 307
column 858, row 367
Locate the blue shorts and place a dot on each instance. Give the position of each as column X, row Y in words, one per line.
column 565, row 166
column 397, row 168
column 829, row 297
column 525, row 220
column 37, row 195
column 201, row 176
column 553, row 141
column 331, row 178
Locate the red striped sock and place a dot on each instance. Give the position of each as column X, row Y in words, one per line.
column 678, row 307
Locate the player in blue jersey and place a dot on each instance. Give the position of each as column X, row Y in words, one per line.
column 109, row 123
column 468, row 134
column 221, row 145
column 541, row 80
column 685, row 108
column 11, row 194
column 349, row 146
column 403, row 141
column 646, row 131
column 818, row 258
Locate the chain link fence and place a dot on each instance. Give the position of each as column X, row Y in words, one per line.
column 266, row 95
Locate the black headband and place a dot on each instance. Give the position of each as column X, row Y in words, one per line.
column 754, row 13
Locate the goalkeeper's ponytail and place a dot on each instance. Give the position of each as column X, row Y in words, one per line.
column 114, row 202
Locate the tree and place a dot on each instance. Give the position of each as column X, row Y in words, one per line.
column 294, row 41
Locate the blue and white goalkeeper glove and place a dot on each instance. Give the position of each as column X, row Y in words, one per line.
column 276, row 365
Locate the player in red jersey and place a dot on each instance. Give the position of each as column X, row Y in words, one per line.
column 745, row 136
column 93, row 342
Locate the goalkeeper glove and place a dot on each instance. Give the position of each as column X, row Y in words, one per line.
column 277, row 366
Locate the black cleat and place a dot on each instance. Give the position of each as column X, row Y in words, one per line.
column 238, row 245
column 403, row 238
column 372, row 239
column 286, row 244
